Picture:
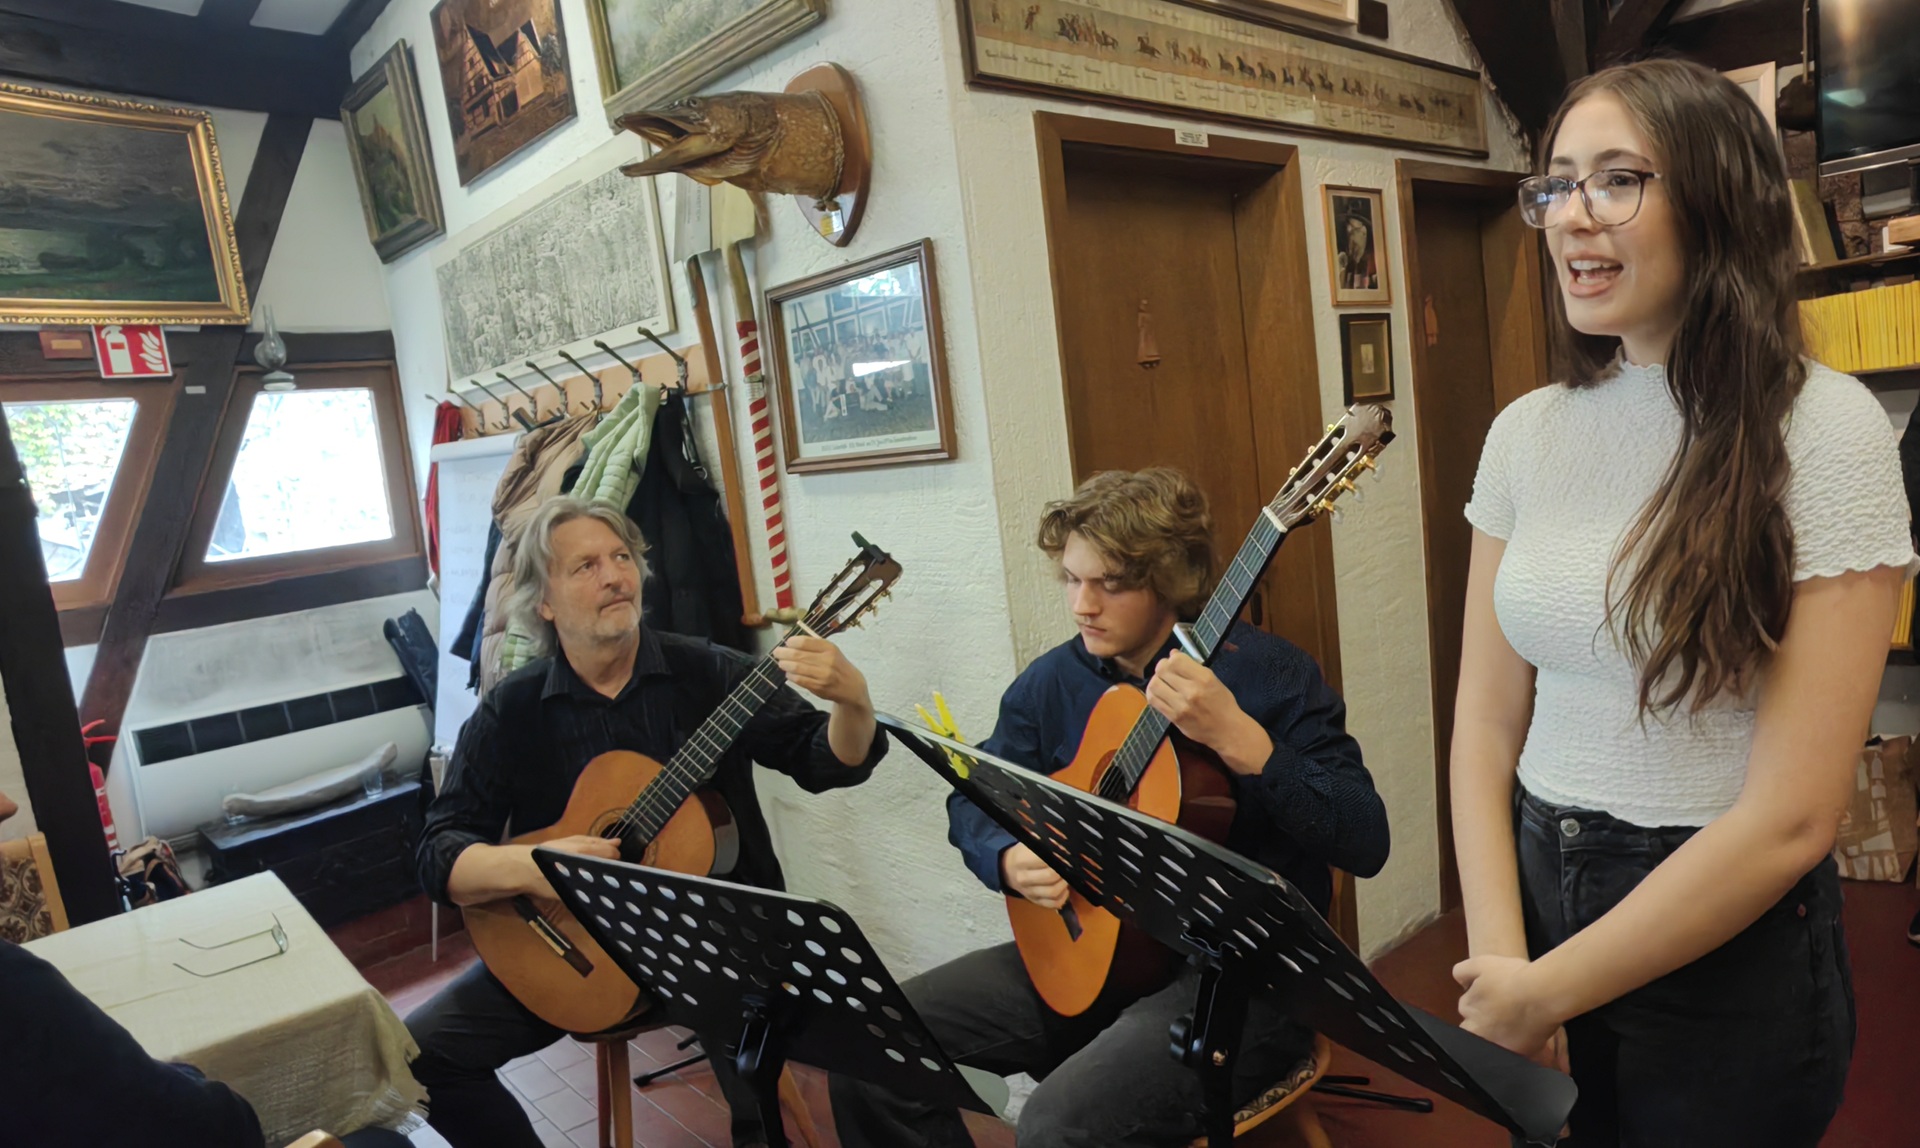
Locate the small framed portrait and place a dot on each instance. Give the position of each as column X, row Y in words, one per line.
column 387, row 138
column 1356, row 246
column 863, row 380
column 1366, row 358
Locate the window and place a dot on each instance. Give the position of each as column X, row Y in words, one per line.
column 304, row 481
column 307, row 477
column 87, row 450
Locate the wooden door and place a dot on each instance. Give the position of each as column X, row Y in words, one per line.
column 1478, row 341
column 1211, row 247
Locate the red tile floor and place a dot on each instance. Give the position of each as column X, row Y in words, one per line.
column 686, row 1111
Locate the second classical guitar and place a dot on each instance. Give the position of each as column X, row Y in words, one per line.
column 1126, row 755
column 661, row 817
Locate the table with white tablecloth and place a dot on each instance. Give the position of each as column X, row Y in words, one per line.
column 299, row 1032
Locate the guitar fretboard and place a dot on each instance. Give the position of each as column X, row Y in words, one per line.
column 692, row 765
column 1223, row 606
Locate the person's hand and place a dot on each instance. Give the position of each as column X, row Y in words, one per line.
column 582, row 845
column 1502, row 1004
column 1022, row 872
column 817, row 666
column 1188, row 694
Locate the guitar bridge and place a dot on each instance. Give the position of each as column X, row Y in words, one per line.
column 556, row 940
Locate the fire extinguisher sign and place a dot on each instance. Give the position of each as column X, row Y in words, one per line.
column 125, row 352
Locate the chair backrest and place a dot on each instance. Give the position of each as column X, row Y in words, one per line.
column 30, row 904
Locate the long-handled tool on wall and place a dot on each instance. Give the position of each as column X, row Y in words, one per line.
column 736, row 221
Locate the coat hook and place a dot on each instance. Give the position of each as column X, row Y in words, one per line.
column 599, row 402
column 679, row 362
column 1149, row 351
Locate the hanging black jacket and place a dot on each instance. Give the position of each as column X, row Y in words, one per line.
column 692, row 585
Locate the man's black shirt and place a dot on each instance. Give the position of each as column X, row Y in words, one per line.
column 518, row 756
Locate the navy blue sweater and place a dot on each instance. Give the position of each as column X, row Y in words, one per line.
column 1313, row 805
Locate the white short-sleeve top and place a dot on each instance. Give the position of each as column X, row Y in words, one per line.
column 1564, row 473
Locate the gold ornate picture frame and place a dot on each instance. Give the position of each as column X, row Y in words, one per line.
column 117, row 213
column 646, row 61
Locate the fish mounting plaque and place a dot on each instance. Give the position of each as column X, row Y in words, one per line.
column 837, row 226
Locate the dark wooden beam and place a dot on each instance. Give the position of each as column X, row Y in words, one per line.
column 181, row 468
column 202, row 67
column 1766, row 32
column 1516, row 41
column 138, row 20
column 46, row 728
column 286, row 595
column 1570, row 37
column 1633, row 26
column 355, row 21
column 229, row 14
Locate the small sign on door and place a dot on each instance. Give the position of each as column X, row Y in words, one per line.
column 125, row 352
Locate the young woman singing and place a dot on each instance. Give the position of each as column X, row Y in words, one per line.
column 1685, row 570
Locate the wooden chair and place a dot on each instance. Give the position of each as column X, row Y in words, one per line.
column 614, row 1071
column 30, row 904
column 1287, row 1100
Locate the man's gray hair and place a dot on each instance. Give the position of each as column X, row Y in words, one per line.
column 533, row 558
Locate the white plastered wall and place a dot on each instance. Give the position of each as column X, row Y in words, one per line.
column 978, row 602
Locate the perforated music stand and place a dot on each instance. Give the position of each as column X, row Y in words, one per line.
column 1249, row 931
column 779, row 977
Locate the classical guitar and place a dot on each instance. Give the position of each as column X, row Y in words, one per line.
column 661, row 816
column 1125, row 755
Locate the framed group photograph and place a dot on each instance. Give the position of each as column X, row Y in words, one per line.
column 860, row 366
column 117, row 213
column 1366, row 358
column 503, row 69
column 387, row 138
column 652, row 52
column 1356, row 246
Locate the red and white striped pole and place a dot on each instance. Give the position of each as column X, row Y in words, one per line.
column 759, row 414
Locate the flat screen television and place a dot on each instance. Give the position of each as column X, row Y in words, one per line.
column 1869, row 83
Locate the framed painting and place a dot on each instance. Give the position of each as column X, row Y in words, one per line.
column 503, row 69
column 651, row 52
column 116, row 213
column 387, row 137
column 1336, row 11
column 1356, row 246
column 1366, row 358
column 1233, row 61
column 861, row 370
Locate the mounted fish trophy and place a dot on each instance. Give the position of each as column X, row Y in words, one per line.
column 809, row 141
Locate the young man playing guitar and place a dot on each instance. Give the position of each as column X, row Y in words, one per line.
column 1135, row 555
column 610, row 684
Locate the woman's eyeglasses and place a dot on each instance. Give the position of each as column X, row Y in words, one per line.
column 1612, row 196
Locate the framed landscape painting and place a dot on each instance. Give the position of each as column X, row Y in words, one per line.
column 859, row 365
column 503, row 69
column 116, row 213
column 651, row 52
column 387, row 137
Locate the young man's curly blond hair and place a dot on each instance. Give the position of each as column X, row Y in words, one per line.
column 1152, row 526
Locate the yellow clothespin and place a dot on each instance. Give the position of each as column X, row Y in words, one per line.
column 945, row 726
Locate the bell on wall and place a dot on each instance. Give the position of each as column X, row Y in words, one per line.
column 271, row 354
column 1149, row 356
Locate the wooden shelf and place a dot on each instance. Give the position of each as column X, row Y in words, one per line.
column 1891, row 378
column 1815, row 276
column 1901, row 656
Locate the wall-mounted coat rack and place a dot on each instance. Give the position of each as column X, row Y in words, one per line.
column 582, row 390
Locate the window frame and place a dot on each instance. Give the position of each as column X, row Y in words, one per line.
column 99, row 579
column 196, row 575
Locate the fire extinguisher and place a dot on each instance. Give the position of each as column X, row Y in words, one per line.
column 90, row 739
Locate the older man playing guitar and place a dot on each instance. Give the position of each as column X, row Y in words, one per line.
column 612, row 684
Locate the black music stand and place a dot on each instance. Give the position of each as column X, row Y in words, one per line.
column 780, row 977
column 1249, row 931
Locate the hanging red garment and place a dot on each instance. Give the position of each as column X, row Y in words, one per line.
column 446, row 428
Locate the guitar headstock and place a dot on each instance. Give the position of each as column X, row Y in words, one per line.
column 1334, row 464
column 854, row 592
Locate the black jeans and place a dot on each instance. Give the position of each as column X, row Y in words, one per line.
column 1108, row 1079
column 1748, row 1046
column 473, row 1027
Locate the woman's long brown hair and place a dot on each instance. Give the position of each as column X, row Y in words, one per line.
column 1703, row 581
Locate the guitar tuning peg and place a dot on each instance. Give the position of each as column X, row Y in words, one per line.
column 1346, row 484
column 1369, row 462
